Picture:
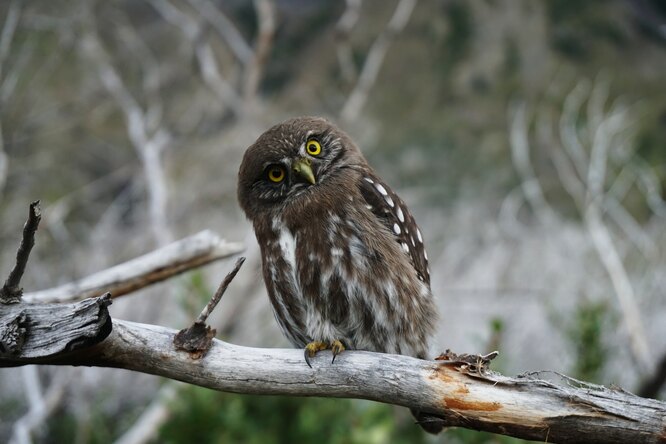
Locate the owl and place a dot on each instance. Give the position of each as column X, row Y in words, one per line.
column 343, row 260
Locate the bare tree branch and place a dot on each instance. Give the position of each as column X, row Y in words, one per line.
column 649, row 183
column 146, row 427
column 149, row 144
column 8, row 29
column 343, row 30
column 630, row 227
column 178, row 257
column 262, row 46
column 520, row 154
column 584, row 165
column 568, row 127
column 225, row 28
column 6, row 37
column 39, row 412
column 458, row 388
column 210, row 72
column 40, row 332
column 602, row 240
column 375, row 58
column 462, row 393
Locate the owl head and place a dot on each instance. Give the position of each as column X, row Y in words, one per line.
column 292, row 161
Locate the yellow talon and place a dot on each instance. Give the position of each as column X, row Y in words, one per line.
column 312, row 348
column 336, row 347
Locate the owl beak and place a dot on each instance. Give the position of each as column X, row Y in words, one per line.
column 303, row 168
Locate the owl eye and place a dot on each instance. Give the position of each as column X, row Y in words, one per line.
column 276, row 173
column 313, row 147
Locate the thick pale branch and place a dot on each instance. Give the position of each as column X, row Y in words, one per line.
column 525, row 407
column 175, row 258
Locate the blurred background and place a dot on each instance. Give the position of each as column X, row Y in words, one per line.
column 526, row 137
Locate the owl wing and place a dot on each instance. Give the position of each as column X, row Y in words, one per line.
column 392, row 213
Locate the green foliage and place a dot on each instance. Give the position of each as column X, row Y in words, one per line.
column 455, row 45
column 466, row 436
column 206, row 416
column 195, row 295
column 209, row 417
column 650, row 139
column 576, row 27
column 586, row 333
column 95, row 427
column 292, row 39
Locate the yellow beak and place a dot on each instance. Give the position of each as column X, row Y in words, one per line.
column 303, row 168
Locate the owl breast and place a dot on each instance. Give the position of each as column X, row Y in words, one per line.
column 328, row 277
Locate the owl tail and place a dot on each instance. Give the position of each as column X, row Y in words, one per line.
column 428, row 422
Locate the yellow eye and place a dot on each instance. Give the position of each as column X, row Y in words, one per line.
column 276, row 174
column 313, row 147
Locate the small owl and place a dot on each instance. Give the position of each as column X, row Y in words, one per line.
column 343, row 259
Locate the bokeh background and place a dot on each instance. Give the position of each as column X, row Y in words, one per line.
column 528, row 139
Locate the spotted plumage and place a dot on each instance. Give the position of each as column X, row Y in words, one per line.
column 343, row 260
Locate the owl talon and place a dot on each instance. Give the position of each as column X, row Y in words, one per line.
column 337, row 347
column 312, row 348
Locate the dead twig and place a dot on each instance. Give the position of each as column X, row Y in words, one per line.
column 208, row 309
column 11, row 291
column 197, row 338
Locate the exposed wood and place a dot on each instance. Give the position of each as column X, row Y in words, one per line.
column 175, row 258
column 42, row 332
column 529, row 407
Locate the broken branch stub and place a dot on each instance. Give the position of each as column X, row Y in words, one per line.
column 198, row 338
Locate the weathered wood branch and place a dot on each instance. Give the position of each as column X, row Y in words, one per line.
column 526, row 407
column 11, row 292
column 459, row 390
column 43, row 332
column 175, row 258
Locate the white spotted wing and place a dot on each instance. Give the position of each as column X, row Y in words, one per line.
column 392, row 212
